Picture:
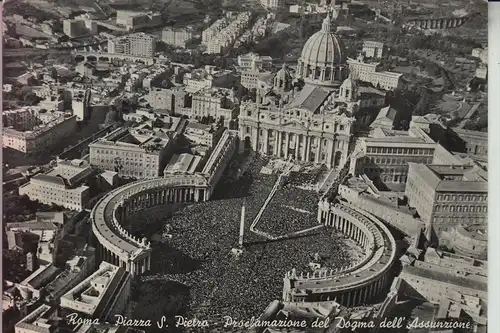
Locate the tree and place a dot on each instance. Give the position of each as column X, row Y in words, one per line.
column 31, row 98
column 111, row 117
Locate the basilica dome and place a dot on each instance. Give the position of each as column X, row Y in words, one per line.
column 323, row 58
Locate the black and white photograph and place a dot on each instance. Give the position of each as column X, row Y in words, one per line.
column 260, row 166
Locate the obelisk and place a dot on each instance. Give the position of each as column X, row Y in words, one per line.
column 242, row 225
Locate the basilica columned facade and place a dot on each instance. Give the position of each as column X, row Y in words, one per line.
column 314, row 124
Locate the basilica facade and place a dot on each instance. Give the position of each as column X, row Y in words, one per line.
column 314, row 124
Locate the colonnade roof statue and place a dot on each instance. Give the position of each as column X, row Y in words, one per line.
column 323, row 58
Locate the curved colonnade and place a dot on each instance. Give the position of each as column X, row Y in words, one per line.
column 116, row 244
column 356, row 284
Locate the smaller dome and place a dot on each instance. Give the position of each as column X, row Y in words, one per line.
column 350, row 82
column 283, row 80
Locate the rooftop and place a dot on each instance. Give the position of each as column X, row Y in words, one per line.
column 41, row 276
column 183, row 163
column 143, row 137
column 445, row 278
column 310, row 98
column 90, row 295
column 199, row 126
column 448, row 178
column 31, row 225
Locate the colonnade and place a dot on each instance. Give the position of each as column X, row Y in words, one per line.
column 219, row 159
column 136, row 266
column 162, row 196
column 144, row 200
column 302, row 147
column 347, row 227
column 357, row 283
column 361, row 295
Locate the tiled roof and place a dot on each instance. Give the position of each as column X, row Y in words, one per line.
column 310, row 98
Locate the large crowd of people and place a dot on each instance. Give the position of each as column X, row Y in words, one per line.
column 291, row 209
column 194, row 273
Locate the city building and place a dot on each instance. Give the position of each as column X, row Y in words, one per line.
column 61, row 186
column 213, row 30
column 43, row 319
column 472, row 142
column 133, row 20
column 39, row 235
column 273, row 4
column 373, row 49
column 20, row 240
column 133, row 152
column 207, row 77
column 175, row 100
column 250, row 77
column 23, row 119
column 467, row 240
column 33, row 287
column 176, row 36
column 370, row 97
column 100, row 296
column 385, row 154
column 385, row 118
column 482, row 54
column 31, row 131
column 215, row 103
column 448, row 195
column 224, row 32
column 249, row 60
column 372, row 73
column 445, row 278
column 79, row 26
column 139, row 44
column 385, row 205
column 206, row 135
column 81, row 104
column 77, row 268
column 310, row 9
column 482, row 72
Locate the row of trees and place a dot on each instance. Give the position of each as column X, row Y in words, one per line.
column 20, row 208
